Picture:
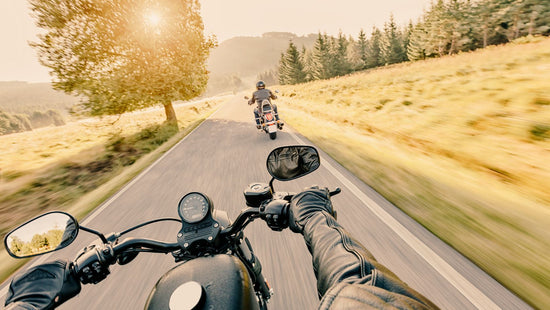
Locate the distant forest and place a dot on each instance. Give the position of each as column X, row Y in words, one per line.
column 447, row 27
column 26, row 106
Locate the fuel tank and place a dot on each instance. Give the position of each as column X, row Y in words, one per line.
column 224, row 279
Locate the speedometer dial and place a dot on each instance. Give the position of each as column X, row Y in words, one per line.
column 193, row 207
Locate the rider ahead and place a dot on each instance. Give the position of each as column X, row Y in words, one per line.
column 260, row 95
column 348, row 276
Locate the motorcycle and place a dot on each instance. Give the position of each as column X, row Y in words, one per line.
column 207, row 238
column 268, row 121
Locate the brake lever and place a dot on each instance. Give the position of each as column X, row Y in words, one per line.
column 335, row 192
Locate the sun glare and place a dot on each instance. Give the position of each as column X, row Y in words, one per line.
column 153, row 18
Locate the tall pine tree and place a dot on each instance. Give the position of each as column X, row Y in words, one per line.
column 374, row 55
column 291, row 68
column 392, row 44
column 321, row 58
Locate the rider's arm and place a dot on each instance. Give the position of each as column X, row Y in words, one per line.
column 252, row 99
column 347, row 273
column 272, row 95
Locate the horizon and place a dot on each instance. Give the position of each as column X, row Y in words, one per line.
column 222, row 19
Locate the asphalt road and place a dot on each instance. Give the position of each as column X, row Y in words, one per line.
column 220, row 158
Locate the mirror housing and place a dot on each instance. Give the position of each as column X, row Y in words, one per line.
column 291, row 162
column 46, row 233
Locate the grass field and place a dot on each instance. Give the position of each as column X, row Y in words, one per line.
column 460, row 143
column 77, row 166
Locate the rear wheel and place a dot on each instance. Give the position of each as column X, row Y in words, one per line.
column 273, row 135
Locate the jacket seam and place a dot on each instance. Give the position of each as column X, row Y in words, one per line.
column 347, row 245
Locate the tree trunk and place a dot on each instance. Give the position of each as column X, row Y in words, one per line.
column 516, row 23
column 485, row 35
column 532, row 22
column 170, row 113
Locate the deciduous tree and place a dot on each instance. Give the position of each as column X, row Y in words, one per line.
column 122, row 55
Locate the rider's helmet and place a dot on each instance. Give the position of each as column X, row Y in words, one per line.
column 260, row 85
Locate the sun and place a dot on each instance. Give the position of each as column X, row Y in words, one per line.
column 153, row 19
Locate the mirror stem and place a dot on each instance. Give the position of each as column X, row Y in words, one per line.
column 271, row 185
column 101, row 236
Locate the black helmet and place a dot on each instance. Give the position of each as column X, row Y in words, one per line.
column 260, row 85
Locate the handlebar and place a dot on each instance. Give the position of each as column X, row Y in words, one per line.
column 92, row 265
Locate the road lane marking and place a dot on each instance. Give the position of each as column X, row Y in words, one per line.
column 465, row 287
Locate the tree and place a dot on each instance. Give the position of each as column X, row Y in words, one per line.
column 124, row 55
column 321, row 58
column 309, row 63
column 362, row 47
column 270, row 77
column 339, row 64
column 487, row 21
column 291, row 68
column 416, row 49
column 374, row 56
column 392, row 44
column 16, row 245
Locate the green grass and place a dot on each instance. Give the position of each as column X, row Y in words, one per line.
column 460, row 143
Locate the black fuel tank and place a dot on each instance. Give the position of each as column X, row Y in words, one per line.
column 224, row 279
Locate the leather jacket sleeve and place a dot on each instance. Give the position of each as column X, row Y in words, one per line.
column 45, row 286
column 348, row 276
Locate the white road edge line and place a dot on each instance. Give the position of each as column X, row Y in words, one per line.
column 472, row 293
column 108, row 202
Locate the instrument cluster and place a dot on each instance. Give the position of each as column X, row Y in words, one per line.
column 198, row 225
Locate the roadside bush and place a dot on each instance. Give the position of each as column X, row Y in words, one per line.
column 540, row 132
column 11, row 123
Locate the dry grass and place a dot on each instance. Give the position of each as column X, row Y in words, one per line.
column 88, row 162
column 461, row 143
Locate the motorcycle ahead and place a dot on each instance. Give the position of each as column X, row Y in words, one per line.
column 268, row 121
column 207, row 238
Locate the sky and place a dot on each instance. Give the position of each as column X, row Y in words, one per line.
column 224, row 19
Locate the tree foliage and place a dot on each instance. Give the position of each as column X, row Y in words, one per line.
column 123, row 55
column 447, row 27
column 19, row 122
column 39, row 243
column 291, row 66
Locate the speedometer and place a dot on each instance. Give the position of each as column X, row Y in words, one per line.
column 194, row 207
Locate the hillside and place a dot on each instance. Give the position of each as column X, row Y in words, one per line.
column 460, row 143
column 237, row 62
column 234, row 65
column 23, row 97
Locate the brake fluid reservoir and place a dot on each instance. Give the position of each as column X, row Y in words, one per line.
column 256, row 193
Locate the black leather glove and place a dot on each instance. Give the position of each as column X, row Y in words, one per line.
column 44, row 286
column 307, row 203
